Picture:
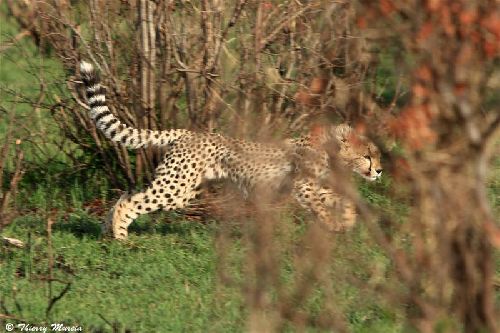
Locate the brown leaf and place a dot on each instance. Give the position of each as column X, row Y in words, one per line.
column 492, row 24
column 425, row 31
column 419, row 90
column 468, row 17
column 434, row 5
column 491, row 49
column 493, row 233
column 387, row 7
column 318, row 85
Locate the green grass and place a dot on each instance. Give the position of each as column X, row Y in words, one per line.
column 159, row 280
column 163, row 279
column 24, row 73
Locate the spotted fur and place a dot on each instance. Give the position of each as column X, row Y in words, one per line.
column 194, row 158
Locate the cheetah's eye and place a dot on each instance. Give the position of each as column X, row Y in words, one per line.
column 367, row 157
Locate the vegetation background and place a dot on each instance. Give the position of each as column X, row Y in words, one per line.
column 424, row 255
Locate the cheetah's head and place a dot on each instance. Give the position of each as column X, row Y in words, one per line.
column 356, row 151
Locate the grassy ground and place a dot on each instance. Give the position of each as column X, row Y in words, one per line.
column 158, row 281
column 163, row 279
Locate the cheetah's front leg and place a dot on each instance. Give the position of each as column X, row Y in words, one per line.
column 348, row 214
column 325, row 204
column 344, row 209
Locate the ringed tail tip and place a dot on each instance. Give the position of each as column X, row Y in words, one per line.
column 86, row 67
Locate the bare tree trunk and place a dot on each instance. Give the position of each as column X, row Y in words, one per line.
column 147, row 54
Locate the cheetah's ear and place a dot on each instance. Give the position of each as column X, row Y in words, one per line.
column 342, row 132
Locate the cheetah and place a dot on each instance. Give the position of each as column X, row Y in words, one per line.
column 195, row 158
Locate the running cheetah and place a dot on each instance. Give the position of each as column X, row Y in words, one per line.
column 194, row 158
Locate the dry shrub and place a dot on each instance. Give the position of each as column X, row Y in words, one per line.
column 234, row 67
column 11, row 167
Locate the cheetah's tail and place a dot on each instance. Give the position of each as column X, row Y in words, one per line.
column 111, row 126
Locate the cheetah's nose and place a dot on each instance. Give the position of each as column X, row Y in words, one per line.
column 379, row 172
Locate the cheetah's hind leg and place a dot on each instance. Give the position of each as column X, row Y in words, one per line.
column 119, row 218
column 156, row 196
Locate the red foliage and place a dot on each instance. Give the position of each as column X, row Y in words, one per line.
column 492, row 24
column 460, row 88
column 490, row 49
column 311, row 96
column 447, row 22
column 419, row 90
column 491, row 42
column 467, row 17
column 425, row 30
column 434, row 5
column 413, row 127
column 362, row 22
column 424, row 73
column 387, row 7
